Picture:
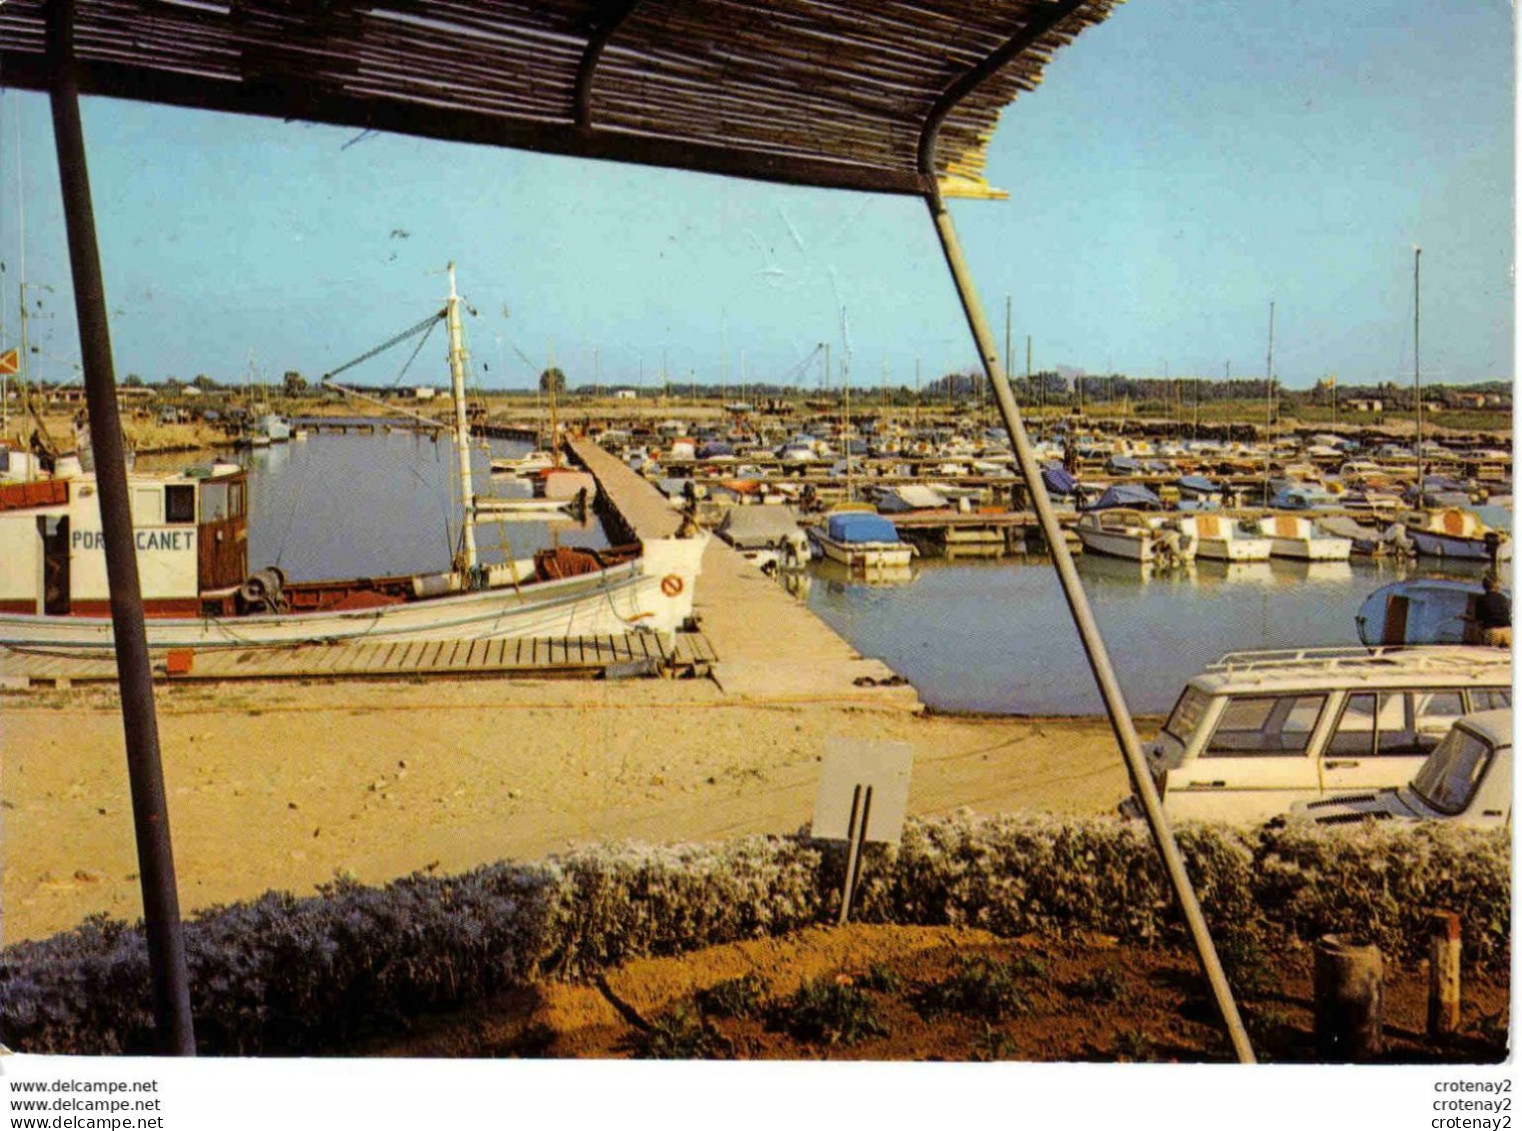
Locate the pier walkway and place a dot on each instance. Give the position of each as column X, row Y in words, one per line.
column 768, row 645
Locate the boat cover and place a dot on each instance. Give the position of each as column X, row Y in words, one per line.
column 1058, row 480
column 751, row 528
column 714, row 448
column 857, row 527
column 1196, row 483
column 1132, row 495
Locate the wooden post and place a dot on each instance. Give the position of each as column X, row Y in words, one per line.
column 1444, row 947
column 1349, row 999
column 861, row 812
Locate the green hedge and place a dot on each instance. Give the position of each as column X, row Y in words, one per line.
column 281, row 975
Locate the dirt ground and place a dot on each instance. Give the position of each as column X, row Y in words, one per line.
column 939, row 993
column 283, row 786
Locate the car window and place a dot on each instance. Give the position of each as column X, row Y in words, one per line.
column 1447, row 779
column 1379, row 724
column 1186, row 714
column 1488, row 699
column 1436, row 711
column 1265, row 725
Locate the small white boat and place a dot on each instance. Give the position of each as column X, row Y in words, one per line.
column 1223, row 539
column 1301, row 540
column 861, row 540
column 1124, row 533
column 1453, row 533
column 523, row 465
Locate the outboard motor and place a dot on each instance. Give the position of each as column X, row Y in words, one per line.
column 264, row 592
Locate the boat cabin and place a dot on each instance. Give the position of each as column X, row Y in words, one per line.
column 191, row 531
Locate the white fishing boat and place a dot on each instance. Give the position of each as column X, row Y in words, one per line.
column 1453, row 533
column 861, row 540
column 1220, row 538
column 1301, row 540
column 192, row 553
column 1139, row 537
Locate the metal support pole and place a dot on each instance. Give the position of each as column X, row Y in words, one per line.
column 150, row 814
column 1088, row 632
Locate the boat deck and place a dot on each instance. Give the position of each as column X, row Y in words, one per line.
column 587, row 657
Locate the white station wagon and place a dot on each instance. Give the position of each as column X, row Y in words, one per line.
column 1258, row 731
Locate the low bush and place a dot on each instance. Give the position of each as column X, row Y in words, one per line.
column 829, row 1012
column 281, row 975
column 979, row 987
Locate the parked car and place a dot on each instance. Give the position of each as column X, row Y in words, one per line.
column 1257, row 731
column 1467, row 780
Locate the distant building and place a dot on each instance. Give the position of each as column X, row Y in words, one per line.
column 1363, row 404
column 625, row 395
column 424, row 393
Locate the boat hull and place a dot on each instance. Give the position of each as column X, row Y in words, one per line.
column 1313, row 549
column 1447, row 546
column 652, row 594
column 1132, row 547
column 1234, row 549
column 864, row 555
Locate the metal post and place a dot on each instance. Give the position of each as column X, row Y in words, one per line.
column 1421, row 481
column 1088, row 632
column 150, row 814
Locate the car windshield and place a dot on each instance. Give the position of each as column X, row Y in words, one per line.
column 1450, row 775
column 1186, row 714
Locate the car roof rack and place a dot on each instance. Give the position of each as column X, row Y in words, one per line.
column 1351, row 658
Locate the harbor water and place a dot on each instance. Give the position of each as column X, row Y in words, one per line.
column 985, row 636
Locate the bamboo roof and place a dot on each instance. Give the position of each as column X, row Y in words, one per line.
column 861, row 94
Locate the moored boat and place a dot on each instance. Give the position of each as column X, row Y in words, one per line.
column 1453, row 533
column 1301, row 540
column 191, row 533
column 1124, row 533
column 1221, row 538
column 861, row 540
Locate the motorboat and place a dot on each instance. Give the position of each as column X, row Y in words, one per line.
column 1218, row 537
column 1124, row 533
column 1293, row 536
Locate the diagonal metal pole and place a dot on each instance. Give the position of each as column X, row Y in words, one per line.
column 1088, row 632
column 150, row 814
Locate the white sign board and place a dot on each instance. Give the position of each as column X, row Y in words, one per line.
column 853, row 762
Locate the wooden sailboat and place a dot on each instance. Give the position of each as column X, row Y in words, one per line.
column 192, row 549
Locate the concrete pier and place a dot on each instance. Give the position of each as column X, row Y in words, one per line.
column 769, row 646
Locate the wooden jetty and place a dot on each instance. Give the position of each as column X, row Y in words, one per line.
column 572, row 657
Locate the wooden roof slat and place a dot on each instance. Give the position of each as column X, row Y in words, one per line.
column 826, row 92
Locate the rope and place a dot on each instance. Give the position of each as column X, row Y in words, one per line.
column 425, row 324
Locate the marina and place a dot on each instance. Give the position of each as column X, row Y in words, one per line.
column 473, row 685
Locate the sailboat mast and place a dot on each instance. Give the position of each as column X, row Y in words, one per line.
column 549, row 376
column 1421, row 482
column 461, row 427
column 1268, row 446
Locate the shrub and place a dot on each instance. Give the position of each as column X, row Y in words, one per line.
column 1104, row 987
column 679, row 1035
column 285, row 975
column 980, row 986
column 829, row 1012
column 736, row 997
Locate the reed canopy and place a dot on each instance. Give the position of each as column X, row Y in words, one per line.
column 877, row 95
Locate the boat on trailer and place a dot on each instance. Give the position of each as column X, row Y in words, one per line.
column 191, row 534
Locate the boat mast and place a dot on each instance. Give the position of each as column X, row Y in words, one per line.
column 549, row 376
column 1421, row 483
column 467, row 562
column 1268, row 448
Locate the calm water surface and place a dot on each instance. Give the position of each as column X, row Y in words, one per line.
column 978, row 636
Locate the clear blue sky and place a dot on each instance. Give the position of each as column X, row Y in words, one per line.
column 1182, row 166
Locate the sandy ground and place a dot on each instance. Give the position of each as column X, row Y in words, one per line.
column 282, row 786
